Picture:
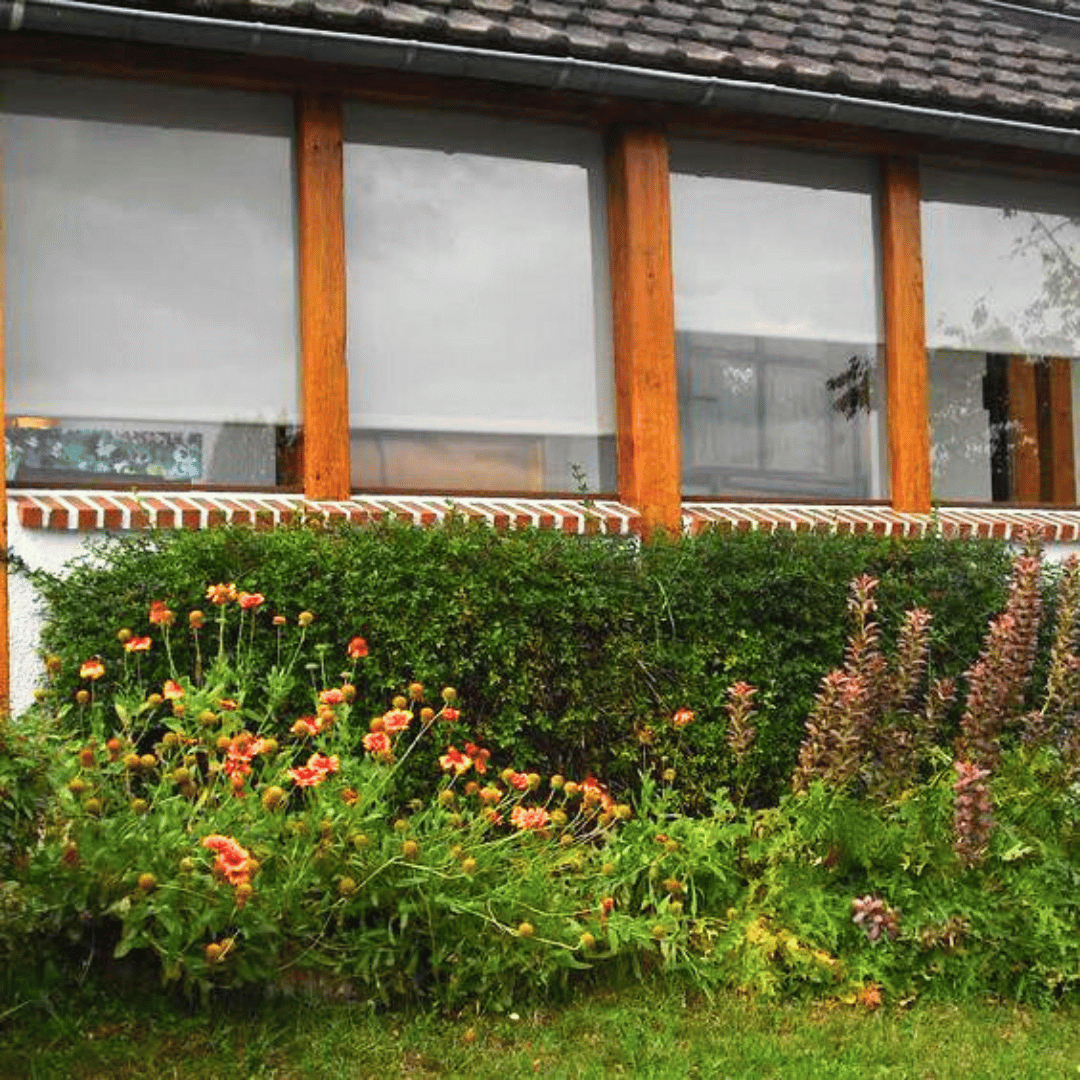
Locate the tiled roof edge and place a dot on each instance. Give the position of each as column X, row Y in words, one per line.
column 83, row 511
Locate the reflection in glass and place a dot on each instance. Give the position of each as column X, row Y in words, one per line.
column 150, row 289
column 1003, row 328
column 479, row 355
column 776, row 304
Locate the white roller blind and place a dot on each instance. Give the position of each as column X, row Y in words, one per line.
column 477, row 268
column 1002, row 264
column 150, row 251
column 773, row 243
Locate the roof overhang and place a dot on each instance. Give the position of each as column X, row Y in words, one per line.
column 148, row 26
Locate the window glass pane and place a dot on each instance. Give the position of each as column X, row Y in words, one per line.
column 150, row 282
column 479, row 329
column 1002, row 287
column 776, row 306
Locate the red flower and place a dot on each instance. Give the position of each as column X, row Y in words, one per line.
column 450, row 715
column 357, row 649
column 92, row 669
column 160, row 615
column 682, row 718
column 172, row 690
column 456, row 760
column 333, row 696
column 137, row 644
column 248, row 600
column 518, row 780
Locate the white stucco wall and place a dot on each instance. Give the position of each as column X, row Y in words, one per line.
column 41, row 549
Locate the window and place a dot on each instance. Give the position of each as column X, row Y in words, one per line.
column 150, row 306
column 776, row 308
column 1002, row 284
column 479, row 324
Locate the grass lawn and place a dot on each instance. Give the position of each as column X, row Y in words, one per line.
column 637, row 1033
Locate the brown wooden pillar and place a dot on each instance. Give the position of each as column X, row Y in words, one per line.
column 321, row 252
column 906, row 371
column 643, row 310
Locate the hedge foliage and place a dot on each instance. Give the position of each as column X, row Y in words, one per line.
column 569, row 652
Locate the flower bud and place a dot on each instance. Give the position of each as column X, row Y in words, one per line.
column 305, row 618
column 83, row 697
column 123, row 636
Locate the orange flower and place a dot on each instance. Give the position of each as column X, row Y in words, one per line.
column 535, row 818
column 682, row 718
column 160, row 615
column 221, row 594
column 232, row 862
column 307, row 725
column 92, row 669
column 378, row 742
column 357, row 649
column 279, row 620
column 228, row 705
column 456, row 760
column 519, row 781
column 326, row 764
column 449, row 715
column 172, row 690
column 315, row 771
column 396, row 720
column 137, row 644
column 333, row 696
column 196, row 619
column 248, row 600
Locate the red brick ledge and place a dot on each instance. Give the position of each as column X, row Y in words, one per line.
column 63, row 511
column 74, row 510
column 1060, row 526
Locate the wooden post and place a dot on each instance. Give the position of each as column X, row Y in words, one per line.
column 321, row 243
column 1025, row 479
column 906, row 370
column 643, row 316
column 1057, row 444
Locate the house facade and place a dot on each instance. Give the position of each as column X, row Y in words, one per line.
column 737, row 261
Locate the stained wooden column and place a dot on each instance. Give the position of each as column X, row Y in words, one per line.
column 321, row 246
column 906, row 373
column 643, row 310
column 1057, row 443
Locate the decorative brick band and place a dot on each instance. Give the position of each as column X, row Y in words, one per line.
column 1005, row 523
column 84, row 511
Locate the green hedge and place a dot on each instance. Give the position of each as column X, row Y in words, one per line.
column 569, row 652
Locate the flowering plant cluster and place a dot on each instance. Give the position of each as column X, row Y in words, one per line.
column 202, row 818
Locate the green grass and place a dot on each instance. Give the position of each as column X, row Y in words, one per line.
column 637, row 1033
